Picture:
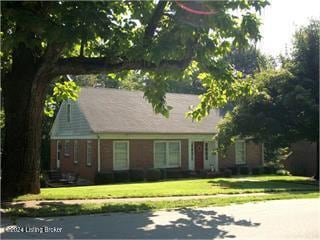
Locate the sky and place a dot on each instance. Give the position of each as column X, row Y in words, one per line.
column 280, row 20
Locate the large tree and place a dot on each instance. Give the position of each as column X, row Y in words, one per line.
column 285, row 106
column 44, row 40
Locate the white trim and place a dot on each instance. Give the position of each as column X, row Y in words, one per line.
column 244, row 152
column 190, row 154
column 113, row 153
column 167, row 152
column 99, row 155
column 89, row 137
column 120, row 136
column 160, row 136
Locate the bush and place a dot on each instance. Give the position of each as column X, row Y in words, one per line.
column 186, row 173
column 103, row 178
column 234, row 170
column 121, row 176
column 163, row 173
column 136, row 175
column 202, row 174
column 174, row 173
column 227, row 173
column 153, row 174
column 283, row 172
column 214, row 174
column 269, row 170
column 43, row 180
column 244, row 170
column 257, row 170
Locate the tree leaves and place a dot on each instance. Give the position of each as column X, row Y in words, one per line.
column 67, row 90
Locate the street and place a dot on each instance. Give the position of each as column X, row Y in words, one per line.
column 279, row 219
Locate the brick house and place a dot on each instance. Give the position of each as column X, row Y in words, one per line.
column 110, row 129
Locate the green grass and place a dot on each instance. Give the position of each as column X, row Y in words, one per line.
column 179, row 188
column 56, row 209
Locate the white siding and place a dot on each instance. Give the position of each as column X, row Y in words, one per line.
column 77, row 126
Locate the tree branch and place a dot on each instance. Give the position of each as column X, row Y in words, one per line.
column 82, row 66
column 152, row 25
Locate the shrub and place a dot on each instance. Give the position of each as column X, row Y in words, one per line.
column 103, row 178
column 153, row 174
column 269, row 169
column 43, row 180
column 234, row 170
column 186, row 173
column 244, row 170
column 226, row 173
column 283, row 172
column 257, row 170
column 136, row 175
column 174, row 173
column 214, row 174
column 121, row 176
column 202, row 174
column 163, row 173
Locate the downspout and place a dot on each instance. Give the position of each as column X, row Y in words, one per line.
column 99, row 156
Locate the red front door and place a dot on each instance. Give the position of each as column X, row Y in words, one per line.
column 198, row 153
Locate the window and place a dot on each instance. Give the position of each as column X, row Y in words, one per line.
column 240, row 149
column 120, row 155
column 75, row 151
column 89, row 153
column 68, row 112
column 67, row 148
column 160, row 154
column 167, row 154
column 206, row 151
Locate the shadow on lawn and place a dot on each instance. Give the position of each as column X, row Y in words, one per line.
column 268, row 185
column 181, row 224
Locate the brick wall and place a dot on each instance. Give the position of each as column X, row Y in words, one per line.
column 141, row 154
column 67, row 164
column 253, row 155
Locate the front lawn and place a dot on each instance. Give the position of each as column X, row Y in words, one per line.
column 249, row 184
column 60, row 209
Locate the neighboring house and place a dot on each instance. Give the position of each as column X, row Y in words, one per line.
column 109, row 129
column 303, row 159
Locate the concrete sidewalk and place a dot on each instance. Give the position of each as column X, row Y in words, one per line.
column 278, row 219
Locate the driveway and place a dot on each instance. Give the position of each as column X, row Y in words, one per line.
column 281, row 219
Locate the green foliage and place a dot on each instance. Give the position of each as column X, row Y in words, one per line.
column 250, row 60
column 2, row 118
column 61, row 92
column 285, row 105
column 117, row 30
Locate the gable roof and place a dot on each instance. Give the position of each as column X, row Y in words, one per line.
column 122, row 111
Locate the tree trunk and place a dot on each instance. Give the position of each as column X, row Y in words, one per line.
column 24, row 93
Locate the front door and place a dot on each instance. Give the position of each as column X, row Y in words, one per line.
column 198, row 153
